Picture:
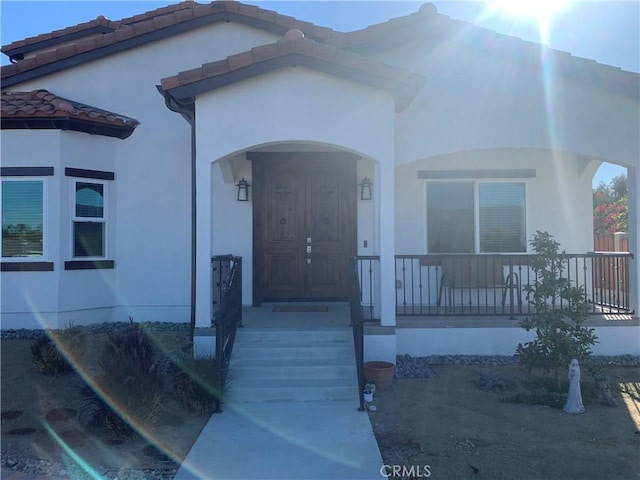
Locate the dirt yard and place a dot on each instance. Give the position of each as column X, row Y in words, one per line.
column 52, row 412
column 460, row 431
column 444, row 427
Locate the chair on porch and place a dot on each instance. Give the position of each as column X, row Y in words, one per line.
column 477, row 273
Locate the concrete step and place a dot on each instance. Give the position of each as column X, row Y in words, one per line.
column 284, row 337
column 291, row 353
column 289, row 372
column 292, row 393
column 292, row 365
column 283, row 362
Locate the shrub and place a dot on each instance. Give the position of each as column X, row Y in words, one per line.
column 548, row 399
column 491, row 382
column 560, row 312
column 102, row 415
column 199, row 383
column 55, row 353
column 128, row 388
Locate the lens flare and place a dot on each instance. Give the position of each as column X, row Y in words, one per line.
column 543, row 11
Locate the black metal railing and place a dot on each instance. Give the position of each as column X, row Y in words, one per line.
column 357, row 325
column 226, row 281
column 367, row 271
column 491, row 284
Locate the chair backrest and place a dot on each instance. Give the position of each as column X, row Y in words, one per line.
column 472, row 272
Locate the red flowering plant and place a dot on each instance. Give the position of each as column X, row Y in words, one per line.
column 610, row 207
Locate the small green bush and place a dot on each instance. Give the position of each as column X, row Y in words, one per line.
column 55, row 353
column 128, row 389
column 198, row 382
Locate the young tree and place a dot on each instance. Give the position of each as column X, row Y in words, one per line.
column 560, row 312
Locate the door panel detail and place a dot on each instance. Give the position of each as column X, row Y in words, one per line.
column 304, row 223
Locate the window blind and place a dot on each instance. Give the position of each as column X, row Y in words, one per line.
column 22, row 218
column 502, row 217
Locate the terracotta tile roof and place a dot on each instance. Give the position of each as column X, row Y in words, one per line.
column 294, row 49
column 428, row 25
column 426, row 20
column 101, row 37
column 137, row 27
column 83, row 29
column 43, row 109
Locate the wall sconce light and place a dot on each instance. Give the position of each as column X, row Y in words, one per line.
column 243, row 190
column 365, row 189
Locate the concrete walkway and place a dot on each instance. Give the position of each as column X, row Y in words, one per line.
column 328, row 440
column 8, row 474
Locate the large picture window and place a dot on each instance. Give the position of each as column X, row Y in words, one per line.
column 22, row 218
column 89, row 219
column 476, row 217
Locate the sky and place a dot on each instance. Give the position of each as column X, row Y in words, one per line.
column 605, row 31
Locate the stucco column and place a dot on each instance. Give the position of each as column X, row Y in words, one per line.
column 203, row 244
column 386, row 204
column 633, row 183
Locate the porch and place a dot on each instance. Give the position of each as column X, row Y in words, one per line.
column 489, row 285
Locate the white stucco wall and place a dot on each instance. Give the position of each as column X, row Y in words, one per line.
column 506, row 93
column 617, row 340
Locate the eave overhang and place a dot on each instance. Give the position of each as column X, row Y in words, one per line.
column 43, row 110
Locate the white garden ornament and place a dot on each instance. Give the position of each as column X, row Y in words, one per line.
column 574, row 398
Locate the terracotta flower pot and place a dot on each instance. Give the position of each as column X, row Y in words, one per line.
column 380, row 373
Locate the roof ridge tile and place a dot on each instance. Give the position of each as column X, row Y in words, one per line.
column 303, row 46
column 251, row 10
column 283, row 46
column 82, row 46
column 183, row 15
column 324, row 52
column 124, row 33
column 287, row 21
column 163, row 21
column 240, row 60
column 230, row 5
column 141, row 28
column 211, row 69
column 267, row 15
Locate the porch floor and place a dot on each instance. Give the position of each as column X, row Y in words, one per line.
column 336, row 317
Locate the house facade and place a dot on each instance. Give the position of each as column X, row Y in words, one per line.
column 128, row 147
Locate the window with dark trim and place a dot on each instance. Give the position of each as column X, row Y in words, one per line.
column 23, row 231
column 476, row 217
column 89, row 247
column 89, row 219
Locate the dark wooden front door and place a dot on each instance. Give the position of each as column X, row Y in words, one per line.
column 304, row 225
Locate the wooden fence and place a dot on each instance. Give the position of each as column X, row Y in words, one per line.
column 607, row 243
